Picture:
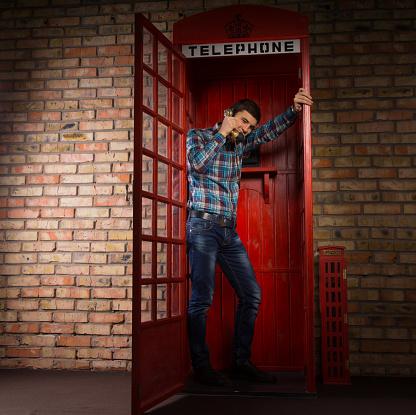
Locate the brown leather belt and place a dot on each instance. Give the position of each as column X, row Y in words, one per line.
column 225, row 223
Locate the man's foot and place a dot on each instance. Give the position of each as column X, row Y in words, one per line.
column 208, row 376
column 248, row 371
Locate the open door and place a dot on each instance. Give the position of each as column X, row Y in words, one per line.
column 159, row 281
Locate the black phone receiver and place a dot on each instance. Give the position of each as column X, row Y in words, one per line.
column 235, row 136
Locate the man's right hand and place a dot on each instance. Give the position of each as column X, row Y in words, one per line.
column 227, row 126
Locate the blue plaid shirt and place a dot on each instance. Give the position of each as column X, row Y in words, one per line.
column 212, row 168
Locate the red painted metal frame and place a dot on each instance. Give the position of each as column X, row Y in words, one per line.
column 159, row 345
column 272, row 23
column 308, row 265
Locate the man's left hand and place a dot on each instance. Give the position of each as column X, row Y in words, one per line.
column 301, row 98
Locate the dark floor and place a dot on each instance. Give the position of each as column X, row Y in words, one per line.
column 37, row 392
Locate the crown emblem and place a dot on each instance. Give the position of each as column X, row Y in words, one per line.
column 238, row 28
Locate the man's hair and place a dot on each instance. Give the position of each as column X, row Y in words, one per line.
column 247, row 105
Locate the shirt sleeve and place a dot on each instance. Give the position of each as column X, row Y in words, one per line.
column 202, row 149
column 270, row 130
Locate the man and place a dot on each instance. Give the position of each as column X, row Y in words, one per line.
column 214, row 162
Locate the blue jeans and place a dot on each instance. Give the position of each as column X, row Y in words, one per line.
column 208, row 244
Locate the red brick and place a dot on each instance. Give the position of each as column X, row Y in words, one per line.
column 22, row 328
column 32, row 352
column 58, row 328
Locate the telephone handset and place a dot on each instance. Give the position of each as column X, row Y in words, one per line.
column 235, row 136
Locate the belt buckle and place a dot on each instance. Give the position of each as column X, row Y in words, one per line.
column 223, row 222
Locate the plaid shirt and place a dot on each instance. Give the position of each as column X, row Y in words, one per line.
column 212, row 168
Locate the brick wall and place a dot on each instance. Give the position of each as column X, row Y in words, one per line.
column 66, row 125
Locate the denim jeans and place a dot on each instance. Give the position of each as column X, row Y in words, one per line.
column 208, row 244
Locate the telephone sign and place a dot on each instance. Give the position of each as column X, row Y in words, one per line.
column 269, row 47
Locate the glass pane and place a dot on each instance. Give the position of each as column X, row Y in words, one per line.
column 162, row 60
column 176, row 146
column 162, row 179
column 176, row 261
column 177, row 73
column 177, row 109
column 148, row 90
column 162, row 100
column 176, row 299
column 147, row 131
column 147, row 48
column 176, row 221
column 147, row 174
column 161, row 301
column 162, row 219
column 146, row 259
column 162, row 139
column 162, row 264
column 146, row 312
column 176, row 184
column 147, row 223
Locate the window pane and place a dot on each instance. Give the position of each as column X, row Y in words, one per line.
column 162, row 139
column 147, row 48
column 176, row 261
column 147, row 174
column 147, row 131
column 148, row 90
column 176, row 299
column 162, row 100
column 162, row 219
column 177, row 109
column 162, row 179
column 176, row 146
column 162, row 60
column 162, row 263
column 177, row 73
column 176, row 222
column 146, row 259
column 146, row 312
column 147, row 211
column 176, row 184
column 161, row 301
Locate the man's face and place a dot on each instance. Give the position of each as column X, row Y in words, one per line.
column 246, row 123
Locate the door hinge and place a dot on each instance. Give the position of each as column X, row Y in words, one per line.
column 345, row 318
column 139, row 390
column 344, row 274
column 300, row 73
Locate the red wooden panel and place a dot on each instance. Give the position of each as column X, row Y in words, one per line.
column 282, row 224
column 269, row 324
column 283, row 320
column 271, row 233
column 159, row 378
column 296, row 320
column 294, row 233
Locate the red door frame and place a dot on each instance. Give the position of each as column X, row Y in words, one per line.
column 159, row 266
column 270, row 23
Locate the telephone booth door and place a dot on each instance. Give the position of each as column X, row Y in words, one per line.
column 275, row 205
column 159, row 280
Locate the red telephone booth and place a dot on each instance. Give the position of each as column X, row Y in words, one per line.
column 220, row 56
